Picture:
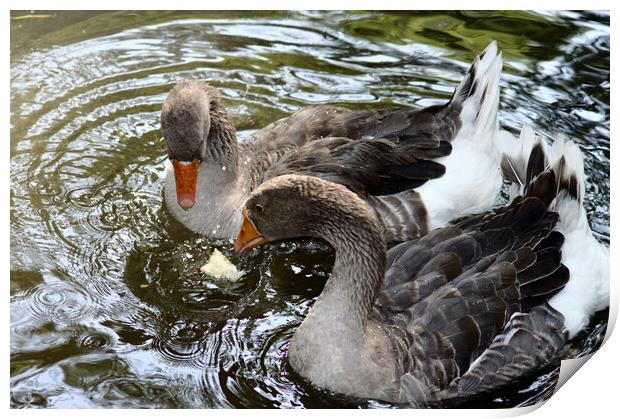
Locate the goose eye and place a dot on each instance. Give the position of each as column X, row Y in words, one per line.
column 259, row 208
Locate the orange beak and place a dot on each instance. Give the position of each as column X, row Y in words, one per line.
column 249, row 237
column 186, row 176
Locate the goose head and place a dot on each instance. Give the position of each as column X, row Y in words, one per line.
column 196, row 129
column 294, row 206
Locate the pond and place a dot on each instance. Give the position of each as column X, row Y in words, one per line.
column 108, row 306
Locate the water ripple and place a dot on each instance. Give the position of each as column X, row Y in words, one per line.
column 183, row 342
column 58, row 302
column 108, row 304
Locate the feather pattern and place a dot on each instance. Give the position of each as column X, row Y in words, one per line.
column 472, row 181
column 561, row 165
column 528, row 341
column 403, row 215
column 468, row 286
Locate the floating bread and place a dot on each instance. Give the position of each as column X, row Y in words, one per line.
column 220, row 267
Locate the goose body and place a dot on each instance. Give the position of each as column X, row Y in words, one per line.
column 461, row 311
column 382, row 155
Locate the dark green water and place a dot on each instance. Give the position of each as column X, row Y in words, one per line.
column 108, row 307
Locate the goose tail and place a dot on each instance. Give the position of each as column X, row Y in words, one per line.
column 478, row 94
column 588, row 260
column 555, row 174
column 567, row 165
column 472, row 181
column 523, row 159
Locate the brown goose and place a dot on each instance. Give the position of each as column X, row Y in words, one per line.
column 379, row 154
column 458, row 312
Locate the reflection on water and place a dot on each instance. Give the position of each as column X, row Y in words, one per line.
column 108, row 307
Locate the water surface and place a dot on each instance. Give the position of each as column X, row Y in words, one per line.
column 108, row 307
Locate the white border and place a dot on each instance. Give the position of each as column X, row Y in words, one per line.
column 593, row 390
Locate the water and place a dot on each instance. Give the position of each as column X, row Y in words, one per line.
column 108, row 307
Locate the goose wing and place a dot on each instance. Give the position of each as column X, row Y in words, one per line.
column 528, row 342
column 448, row 297
column 379, row 170
column 370, row 166
column 428, row 126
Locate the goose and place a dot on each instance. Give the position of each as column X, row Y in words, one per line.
column 386, row 156
column 462, row 311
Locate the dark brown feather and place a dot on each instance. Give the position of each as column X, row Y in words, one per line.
column 465, row 291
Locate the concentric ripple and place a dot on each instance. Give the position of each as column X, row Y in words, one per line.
column 108, row 305
column 59, row 304
column 94, row 341
column 183, row 342
column 53, row 301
